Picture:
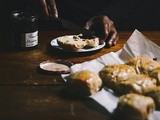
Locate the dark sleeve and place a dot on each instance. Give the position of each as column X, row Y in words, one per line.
column 119, row 10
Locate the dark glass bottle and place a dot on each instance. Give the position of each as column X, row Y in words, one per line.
column 24, row 29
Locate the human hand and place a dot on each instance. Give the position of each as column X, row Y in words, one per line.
column 49, row 8
column 104, row 29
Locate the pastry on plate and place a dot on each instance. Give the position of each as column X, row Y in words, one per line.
column 92, row 42
column 143, row 65
column 84, row 83
column 112, row 75
column 75, row 43
column 69, row 43
column 134, row 107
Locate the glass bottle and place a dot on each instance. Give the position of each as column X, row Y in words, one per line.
column 24, row 29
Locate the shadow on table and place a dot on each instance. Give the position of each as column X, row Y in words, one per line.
column 87, row 101
column 93, row 105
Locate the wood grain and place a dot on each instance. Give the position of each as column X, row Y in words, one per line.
column 27, row 94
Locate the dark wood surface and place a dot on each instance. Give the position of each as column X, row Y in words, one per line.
column 27, row 94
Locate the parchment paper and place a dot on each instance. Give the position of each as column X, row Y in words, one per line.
column 136, row 45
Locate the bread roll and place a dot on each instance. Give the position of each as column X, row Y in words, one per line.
column 156, row 74
column 143, row 65
column 112, row 75
column 154, row 93
column 134, row 107
column 84, row 83
column 138, row 83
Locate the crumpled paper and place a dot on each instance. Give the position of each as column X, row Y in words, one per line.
column 136, row 45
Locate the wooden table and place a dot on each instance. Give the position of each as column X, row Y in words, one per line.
column 26, row 94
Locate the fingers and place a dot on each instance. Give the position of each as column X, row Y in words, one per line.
column 104, row 29
column 44, row 7
column 99, row 26
column 110, row 34
column 113, row 38
column 88, row 24
column 104, row 33
column 49, row 8
column 52, row 9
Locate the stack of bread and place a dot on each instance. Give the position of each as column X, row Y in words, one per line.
column 137, row 82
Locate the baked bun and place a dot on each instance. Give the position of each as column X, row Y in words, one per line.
column 134, row 107
column 156, row 74
column 112, row 75
column 71, row 43
column 84, row 83
column 143, row 65
column 138, row 83
column 154, row 93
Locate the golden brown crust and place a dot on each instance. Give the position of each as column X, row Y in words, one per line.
column 156, row 74
column 84, row 82
column 138, row 83
column 143, row 65
column 154, row 93
column 123, row 79
column 134, row 107
column 112, row 75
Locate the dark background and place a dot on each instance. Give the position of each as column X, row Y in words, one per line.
column 146, row 16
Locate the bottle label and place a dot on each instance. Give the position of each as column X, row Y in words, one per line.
column 29, row 39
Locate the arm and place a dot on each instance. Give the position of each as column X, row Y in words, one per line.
column 116, row 13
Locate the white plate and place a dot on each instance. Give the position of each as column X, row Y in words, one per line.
column 55, row 45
